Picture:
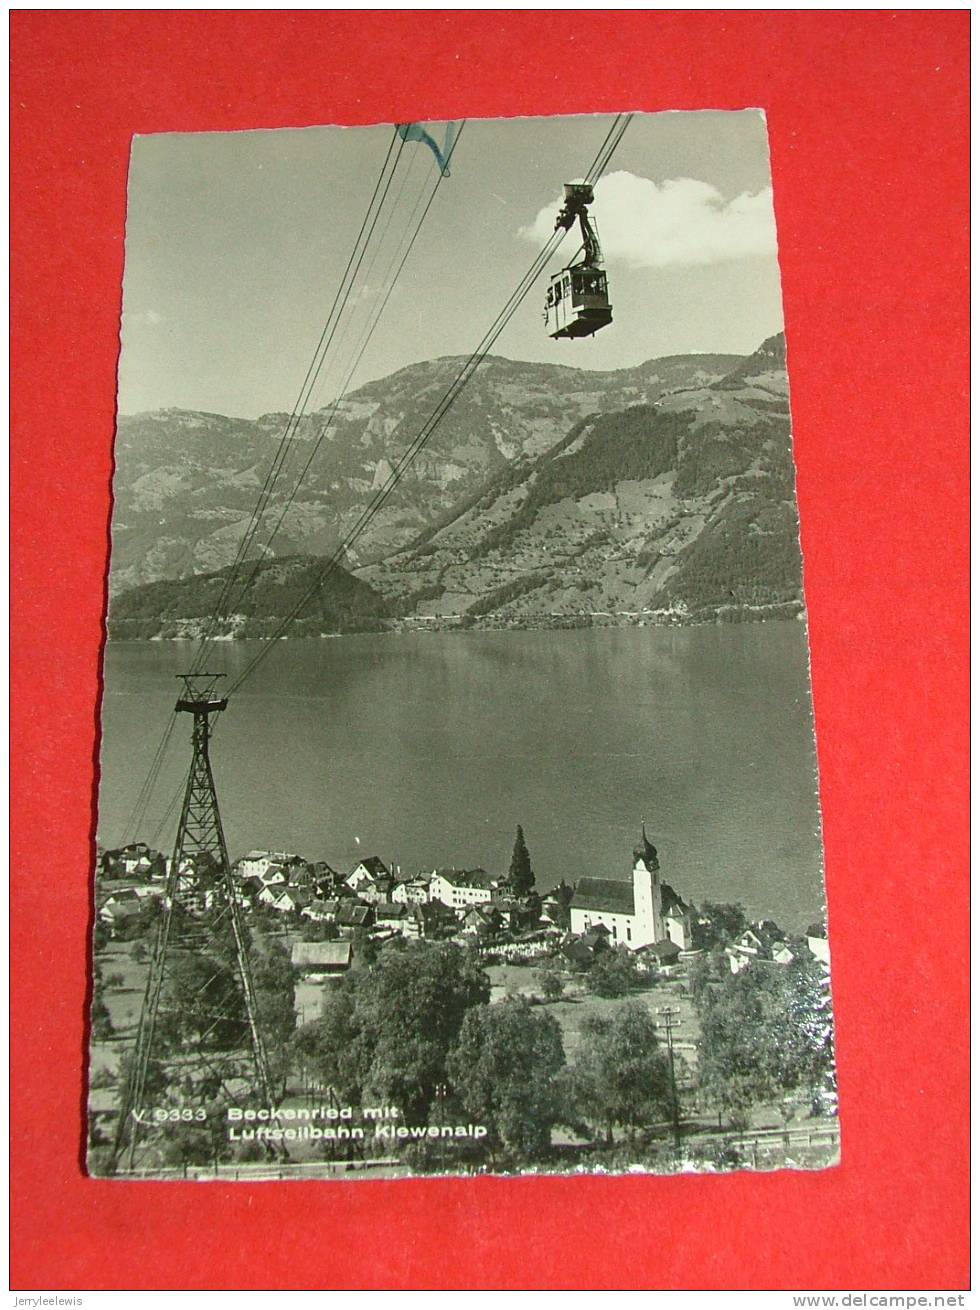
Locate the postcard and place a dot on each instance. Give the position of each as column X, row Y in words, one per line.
column 458, row 809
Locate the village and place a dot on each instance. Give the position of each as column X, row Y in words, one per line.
column 588, row 955
column 332, row 917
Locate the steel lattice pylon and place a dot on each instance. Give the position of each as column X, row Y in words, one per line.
column 198, row 1036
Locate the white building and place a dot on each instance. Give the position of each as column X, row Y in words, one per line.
column 368, row 875
column 638, row 911
column 257, row 863
column 816, row 940
column 460, row 888
column 413, row 892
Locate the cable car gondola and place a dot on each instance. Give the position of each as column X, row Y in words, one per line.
column 577, row 304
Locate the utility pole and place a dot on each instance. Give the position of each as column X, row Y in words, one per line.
column 171, row 1078
column 668, row 1014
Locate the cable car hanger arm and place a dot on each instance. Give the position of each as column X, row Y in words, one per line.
column 578, row 196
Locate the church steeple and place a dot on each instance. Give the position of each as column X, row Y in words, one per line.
column 647, row 908
column 645, row 850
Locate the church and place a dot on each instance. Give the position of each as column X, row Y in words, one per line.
column 638, row 911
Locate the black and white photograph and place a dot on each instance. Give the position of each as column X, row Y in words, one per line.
column 458, row 801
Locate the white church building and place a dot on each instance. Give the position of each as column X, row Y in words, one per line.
column 638, row 911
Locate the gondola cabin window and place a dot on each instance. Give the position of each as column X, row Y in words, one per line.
column 577, row 303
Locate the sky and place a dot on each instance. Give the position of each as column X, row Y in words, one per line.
column 236, row 243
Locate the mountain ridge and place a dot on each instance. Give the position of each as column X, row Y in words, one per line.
column 187, row 480
column 666, row 498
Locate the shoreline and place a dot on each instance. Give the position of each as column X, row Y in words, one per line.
column 789, row 611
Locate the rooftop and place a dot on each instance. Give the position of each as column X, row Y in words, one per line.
column 612, row 895
column 665, row 950
column 466, row 877
column 670, row 902
column 392, row 910
column 335, row 954
column 374, row 865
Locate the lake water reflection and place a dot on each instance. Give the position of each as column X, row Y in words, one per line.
column 429, row 748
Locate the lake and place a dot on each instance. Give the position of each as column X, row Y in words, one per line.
column 429, row 748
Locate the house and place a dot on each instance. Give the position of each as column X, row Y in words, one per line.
column 482, row 921
column 282, row 898
column 272, row 875
column 816, row 940
column 354, row 914
column 583, row 949
column 378, row 890
column 250, row 888
column 459, row 888
column 135, row 860
column 301, row 875
column 256, row 863
column 507, row 908
column 145, row 892
column 414, row 891
column 394, row 914
column 665, row 953
column 367, row 873
column 119, row 910
column 211, row 896
column 321, row 911
column 746, row 947
column 323, row 878
column 324, row 958
column 434, row 918
column 678, row 918
column 124, row 896
column 759, row 941
column 290, row 900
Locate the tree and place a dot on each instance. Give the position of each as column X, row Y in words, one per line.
column 530, row 911
column 200, row 1142
column 103, row 1077
column 274, row 979
column 521, row 876
column 621, row 1076
column 365, row 946
column 725, row 922
column 137, row 926
column 551, row 981
column 765, row 1032
column 560, row 912
column 319, row 931
column 384, row 1033
column 612, row 973
column 706, row 971
column 203, row 1002
column 503, row 1069
column 139, row 952
column 101, row 1019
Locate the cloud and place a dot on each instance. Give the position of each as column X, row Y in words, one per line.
column 677, row 222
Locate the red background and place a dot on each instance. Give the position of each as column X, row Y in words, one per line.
column 868, row 123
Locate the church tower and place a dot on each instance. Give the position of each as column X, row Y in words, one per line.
column 647, row 905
